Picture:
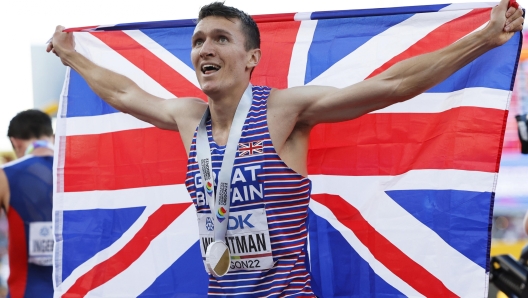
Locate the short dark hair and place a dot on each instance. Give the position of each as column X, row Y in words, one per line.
column 249, row 27
column 30, row 124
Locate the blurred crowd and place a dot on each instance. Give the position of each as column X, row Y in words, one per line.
column 5, row 157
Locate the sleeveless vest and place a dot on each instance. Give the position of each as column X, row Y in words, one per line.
column 260, row 179
column 30, row 208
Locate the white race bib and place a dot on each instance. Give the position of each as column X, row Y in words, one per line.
column 247, row 238
column 41, row 243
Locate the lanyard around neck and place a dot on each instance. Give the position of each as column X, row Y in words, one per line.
column 220, row 203
column 38, row 144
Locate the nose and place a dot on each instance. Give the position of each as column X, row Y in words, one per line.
column 207, row 49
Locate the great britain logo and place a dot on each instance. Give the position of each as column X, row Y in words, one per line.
column 221, row 214
column 209, row 187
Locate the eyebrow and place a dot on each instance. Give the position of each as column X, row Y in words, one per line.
column 215, row 31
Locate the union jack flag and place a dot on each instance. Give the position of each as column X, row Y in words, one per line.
column 402, row 197
column 250, row 148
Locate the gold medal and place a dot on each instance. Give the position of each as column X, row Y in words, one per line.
column 217, row 258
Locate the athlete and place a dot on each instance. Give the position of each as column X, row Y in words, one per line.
column 268, row 186
column 26, row 191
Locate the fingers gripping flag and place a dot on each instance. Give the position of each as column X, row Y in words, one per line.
column 402, row 197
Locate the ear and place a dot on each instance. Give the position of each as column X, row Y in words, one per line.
column 19, row 146
column 253, row 58
column 14, row 142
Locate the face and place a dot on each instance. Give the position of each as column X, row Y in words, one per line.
column 219, row 57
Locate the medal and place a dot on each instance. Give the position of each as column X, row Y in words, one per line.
column 217, row 258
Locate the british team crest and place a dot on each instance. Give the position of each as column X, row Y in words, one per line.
column 250, row 148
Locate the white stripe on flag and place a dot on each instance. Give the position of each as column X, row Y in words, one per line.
column 162, row 252
column 303, row 16
column 422, row 179
column 101, row 54
column 299, row 58
column 167, row 57
column 364, row 252
column 395, row 223
column 469, row 5
column 103, row 124
column 440, row 102
column 125, row 198
column 424, row 103
column 381, row 48
column 110, row 251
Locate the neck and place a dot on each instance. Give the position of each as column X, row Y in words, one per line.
column 40, row 147
column 222, row 114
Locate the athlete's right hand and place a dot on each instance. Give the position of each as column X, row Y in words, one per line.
column 61, row 44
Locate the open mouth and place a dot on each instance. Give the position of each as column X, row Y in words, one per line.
column 210, row 68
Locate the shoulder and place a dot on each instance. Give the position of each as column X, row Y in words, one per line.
column 296, row 100
column 188, row 108
column 186, row 102
column 17, row 162
column 178, row 113
column 300, row 93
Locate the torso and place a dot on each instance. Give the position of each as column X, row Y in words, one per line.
column 261, row 181
column 30, row 208
column 289, row 139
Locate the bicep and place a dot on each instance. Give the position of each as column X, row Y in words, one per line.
column 328, row 104
column 167, row 114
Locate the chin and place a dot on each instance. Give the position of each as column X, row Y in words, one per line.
column 210, row 89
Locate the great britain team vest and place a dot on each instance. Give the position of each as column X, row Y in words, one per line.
column 30, row 232
column 267, row 224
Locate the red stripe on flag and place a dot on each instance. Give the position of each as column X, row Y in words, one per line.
column 501, row 144
column 80, row 29
column 464, row 138
column 383, row 250
column 376, row 144
column 18, row 254
column 151, row 64
column 278, row 39
column 105, row 271
column 124, row 159
column 441, row 37
column 280, row 17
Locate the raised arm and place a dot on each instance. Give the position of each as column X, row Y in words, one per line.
column 125, row 95
column 403, row 80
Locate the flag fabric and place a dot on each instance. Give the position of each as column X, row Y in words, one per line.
column 402, row 197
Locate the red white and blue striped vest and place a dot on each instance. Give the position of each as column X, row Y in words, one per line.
column 283, row 193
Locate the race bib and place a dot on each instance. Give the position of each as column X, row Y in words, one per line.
column 41, row 243
column 247, row 239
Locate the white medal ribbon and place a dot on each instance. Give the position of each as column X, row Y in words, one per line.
column 217, row 255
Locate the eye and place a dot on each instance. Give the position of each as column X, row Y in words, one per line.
column 198, row 42
column 222, row 39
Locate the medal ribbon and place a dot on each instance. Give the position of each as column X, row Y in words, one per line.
column 220, row 204
column 38, row 144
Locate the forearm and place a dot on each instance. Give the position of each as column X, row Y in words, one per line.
column 117, row 90
column 418, row 74
column 112, row 87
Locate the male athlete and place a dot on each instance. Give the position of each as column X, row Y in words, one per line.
column 26, row 191
column 268, row 188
